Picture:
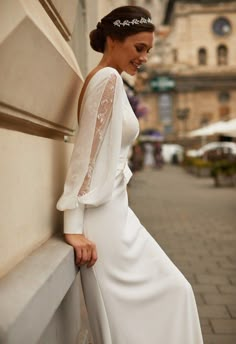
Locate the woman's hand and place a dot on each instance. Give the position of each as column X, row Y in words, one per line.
column 85, row 250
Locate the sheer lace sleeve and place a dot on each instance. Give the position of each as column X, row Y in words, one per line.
column 93, row 164
column 103, row 118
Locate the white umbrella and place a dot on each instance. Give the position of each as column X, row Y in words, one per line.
column 230, row 128
column 220, row 127
column 230, row 133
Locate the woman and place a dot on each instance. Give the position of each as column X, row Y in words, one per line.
column 134, row 294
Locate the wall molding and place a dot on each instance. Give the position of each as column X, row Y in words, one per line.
column 56, row 18
column 17, row 119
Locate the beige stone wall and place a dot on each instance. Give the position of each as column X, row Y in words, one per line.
column 151, row 120
column 42, row 80
column 191, row 29
column 195, row 32
column 95, row 12
column 202, row 105
column 156, row 8
column 32, row 173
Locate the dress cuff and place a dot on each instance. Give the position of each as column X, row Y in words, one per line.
column 73, row 220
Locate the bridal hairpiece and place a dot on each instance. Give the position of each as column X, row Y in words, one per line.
column 132, row 22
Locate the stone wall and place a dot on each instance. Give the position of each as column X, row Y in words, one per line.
column 40, row 79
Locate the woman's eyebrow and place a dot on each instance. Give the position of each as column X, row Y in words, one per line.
column 145, row 45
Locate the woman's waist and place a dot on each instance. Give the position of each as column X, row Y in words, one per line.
column 122, row 162
column 123, row 169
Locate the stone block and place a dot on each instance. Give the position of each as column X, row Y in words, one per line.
column 34, row 297
column 212, row 279
column 227, row 289
column 223, row 326
column 232, row 310
column 213, row 311
column 219, row 339
column 220, row 299
column 204, row 288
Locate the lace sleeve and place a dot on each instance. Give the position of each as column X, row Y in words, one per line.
column 103, row 118
column 99, row 133
column 93, row 164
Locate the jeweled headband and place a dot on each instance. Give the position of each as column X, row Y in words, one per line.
column 132, row 22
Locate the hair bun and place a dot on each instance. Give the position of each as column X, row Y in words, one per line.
column 98, row 38
column 99, row 26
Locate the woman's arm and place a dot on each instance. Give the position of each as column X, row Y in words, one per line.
column 92, row 191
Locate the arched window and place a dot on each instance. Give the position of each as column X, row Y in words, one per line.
column 202, row 56
column 222, row 55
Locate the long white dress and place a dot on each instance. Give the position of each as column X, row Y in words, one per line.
column 134, row 294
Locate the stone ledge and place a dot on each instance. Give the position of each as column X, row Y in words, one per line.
column 31, row 293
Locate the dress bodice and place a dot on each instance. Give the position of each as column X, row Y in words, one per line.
column 130, row 127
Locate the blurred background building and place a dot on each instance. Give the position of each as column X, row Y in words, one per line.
column 192, row 72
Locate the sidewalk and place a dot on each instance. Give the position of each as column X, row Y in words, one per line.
column 195, row 223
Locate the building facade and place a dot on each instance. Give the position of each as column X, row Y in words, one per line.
column 194, row 72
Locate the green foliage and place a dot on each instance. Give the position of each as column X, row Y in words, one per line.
column 220, row 167
column 225, row 167
column 197, row 162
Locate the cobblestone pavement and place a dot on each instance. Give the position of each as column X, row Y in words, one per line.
column 195, row 223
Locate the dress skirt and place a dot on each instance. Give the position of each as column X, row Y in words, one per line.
column 134, row 294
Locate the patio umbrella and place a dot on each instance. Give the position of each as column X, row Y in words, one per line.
column 221, row 127
column 152, row 135
column 229, row 128
column 207, row 130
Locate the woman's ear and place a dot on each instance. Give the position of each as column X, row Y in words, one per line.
column 110, row 42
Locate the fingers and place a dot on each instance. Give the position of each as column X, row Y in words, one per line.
column 85, row 253
column 78, row 255
column 94, row 256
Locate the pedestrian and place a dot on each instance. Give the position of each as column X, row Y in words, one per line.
column 137, row 157
column 149, row 158
column 158, row 155
column 134, row 294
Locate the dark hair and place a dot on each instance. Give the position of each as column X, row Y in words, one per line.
column 106, row 27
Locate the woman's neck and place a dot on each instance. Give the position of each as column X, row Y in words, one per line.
column 107, row 62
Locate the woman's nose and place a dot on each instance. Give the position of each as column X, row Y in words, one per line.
column 144, row 58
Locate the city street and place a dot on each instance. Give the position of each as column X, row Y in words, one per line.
column 195, row 223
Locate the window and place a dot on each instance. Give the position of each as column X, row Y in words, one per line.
column 206, row 118
column 221, row 26
column 224, row 97
column 202, row 56
column 222, row 55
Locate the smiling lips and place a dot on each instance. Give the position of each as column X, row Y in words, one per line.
column 136, row 65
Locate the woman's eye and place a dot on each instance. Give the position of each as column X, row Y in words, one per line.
column 139, row 49
column 142, row 49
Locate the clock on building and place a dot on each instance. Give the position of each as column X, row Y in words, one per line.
column 221, row 26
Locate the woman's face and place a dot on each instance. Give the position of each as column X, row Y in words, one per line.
column 130, row 54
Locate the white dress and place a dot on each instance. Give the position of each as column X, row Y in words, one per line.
column 134, row 294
